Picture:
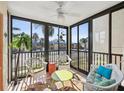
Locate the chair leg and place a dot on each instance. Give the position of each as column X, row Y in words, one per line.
column 63, row 85
column 71, row 83
column 52, row 83
column 75, row 85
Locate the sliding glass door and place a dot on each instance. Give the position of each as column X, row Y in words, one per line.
column 53, row 43
column 80, row 47
column 57, row 42
column 74, row 47
column 83, row 46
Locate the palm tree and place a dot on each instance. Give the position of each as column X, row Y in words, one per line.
column 41, row 43
column 35, row 37
column 50, row 29
column 83, row 41
column 17, row 43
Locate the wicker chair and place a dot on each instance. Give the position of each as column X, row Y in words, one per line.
column 64, row 62
column 116, row 74
column 34, row 65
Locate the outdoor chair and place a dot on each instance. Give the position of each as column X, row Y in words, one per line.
column 116, row 74
column 33, row 66
column 64, row 62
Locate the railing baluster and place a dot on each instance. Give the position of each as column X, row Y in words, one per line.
column 103, row 58
column 94, row 58
column 83, row 61
column 52, row 56
column 115, row 59
column 120, row 62
column 79, row 61
column 86, row 61
column 100, row 59
column 36, row 60
column 107, row 58
column 97, row 60
column 20, row 65
column 25, row 64
column 15, row 65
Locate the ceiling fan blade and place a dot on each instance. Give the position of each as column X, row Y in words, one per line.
column 72, row 14
column 53, row 15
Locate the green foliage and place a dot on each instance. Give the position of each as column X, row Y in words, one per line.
column 21, row 40
column 83, row 40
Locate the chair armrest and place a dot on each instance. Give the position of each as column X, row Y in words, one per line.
column 45, row 63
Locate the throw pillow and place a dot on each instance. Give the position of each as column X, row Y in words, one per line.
column 100, row 70
column 105, row 72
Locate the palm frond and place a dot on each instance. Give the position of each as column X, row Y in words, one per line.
column 23, row 39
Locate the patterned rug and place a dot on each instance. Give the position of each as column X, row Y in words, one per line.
column 66, row 89
column 44, row 87
column 38, row 87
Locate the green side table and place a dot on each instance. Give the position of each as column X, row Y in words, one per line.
column 62, row 76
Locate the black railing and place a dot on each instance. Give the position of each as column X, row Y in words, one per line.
column 98, row 58
column 24, row 56
column 117, row 59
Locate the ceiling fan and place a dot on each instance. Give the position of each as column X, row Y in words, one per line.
column 61, row 13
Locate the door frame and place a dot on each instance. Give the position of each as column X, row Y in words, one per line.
column 1, row 52
column 89, row 45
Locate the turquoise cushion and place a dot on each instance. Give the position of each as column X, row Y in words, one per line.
column 105, row 72
column 100, row 70
column 106, row 82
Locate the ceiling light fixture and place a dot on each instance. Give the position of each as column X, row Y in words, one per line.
column 61, row 18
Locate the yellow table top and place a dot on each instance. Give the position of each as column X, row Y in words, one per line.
column 62, row 75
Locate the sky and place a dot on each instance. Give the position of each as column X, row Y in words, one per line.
column 83, row 32
column 25, row 27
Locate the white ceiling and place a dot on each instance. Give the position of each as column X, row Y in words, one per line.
column 44, row 10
